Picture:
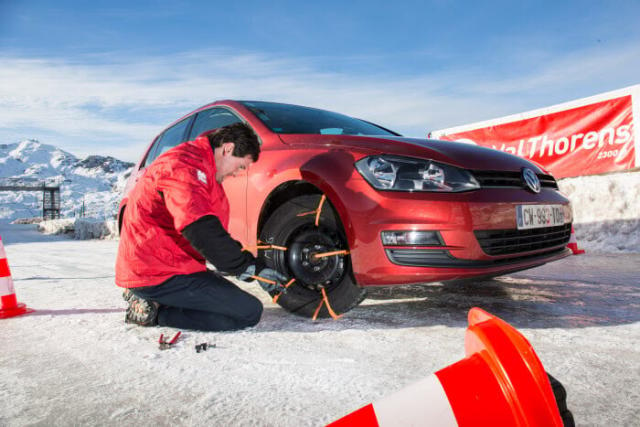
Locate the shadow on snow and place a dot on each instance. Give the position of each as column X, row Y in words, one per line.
column 564, row 294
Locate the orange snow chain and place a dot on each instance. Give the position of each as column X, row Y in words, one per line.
column 272, row 282
column 317, row 211
column 276, row 297
column 262, row 279
column 325, row 300
column 332, row 253
column 265, row 247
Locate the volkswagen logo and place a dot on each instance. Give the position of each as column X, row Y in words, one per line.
column 531, row 180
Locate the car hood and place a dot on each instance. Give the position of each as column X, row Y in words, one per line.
column 467, row 156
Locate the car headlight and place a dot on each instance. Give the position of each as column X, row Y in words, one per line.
column 386, row 172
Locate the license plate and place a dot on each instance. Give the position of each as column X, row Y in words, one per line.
column 538, row 216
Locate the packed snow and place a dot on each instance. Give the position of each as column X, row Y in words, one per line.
column 75, row 362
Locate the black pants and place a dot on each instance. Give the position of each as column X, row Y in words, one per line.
column 204, row 301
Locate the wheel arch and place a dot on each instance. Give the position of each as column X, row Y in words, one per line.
column 282, row 194
column 327, row 172
column 291, row 189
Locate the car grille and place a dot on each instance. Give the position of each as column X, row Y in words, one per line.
column 419, row 257
column 506, row 242
column 510, row 179
column 443, row 259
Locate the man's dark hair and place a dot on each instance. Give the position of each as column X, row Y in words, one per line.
column 245, row 140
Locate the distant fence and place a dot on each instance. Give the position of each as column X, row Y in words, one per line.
column 50, row 193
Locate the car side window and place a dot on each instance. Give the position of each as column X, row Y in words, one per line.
column 212, row 118
column 169, row 139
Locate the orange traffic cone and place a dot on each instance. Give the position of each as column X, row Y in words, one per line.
column 573, row 243
column 9, row 305
column 501, row 382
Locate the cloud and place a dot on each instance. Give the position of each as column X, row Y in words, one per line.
column 115, row 104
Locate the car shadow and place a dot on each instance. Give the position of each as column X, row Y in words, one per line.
column 534, row 299
column 111, row 276
column 74, row 311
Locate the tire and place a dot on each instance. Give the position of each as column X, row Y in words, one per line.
column 560, row 394
column 303, row 238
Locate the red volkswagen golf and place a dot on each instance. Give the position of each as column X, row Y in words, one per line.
column 340, row 203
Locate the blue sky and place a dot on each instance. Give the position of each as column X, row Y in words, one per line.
column 105, row 77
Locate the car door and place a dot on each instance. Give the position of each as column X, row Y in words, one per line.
column 168, row 139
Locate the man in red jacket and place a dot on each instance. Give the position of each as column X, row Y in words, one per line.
column 176, row 219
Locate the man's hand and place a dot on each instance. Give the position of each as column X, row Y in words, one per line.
column 274, row 276
column 266, row 273
column 250, row 271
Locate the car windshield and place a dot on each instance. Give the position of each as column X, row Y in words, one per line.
column 287, row 118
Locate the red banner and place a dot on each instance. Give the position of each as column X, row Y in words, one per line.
column 585, row 140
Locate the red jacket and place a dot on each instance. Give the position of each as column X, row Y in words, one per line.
column 178, row 188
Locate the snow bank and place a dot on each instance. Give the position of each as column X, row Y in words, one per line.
column 81, row 228
column 606, row 211
column 56, row 226
column 95, row 229
column 36, row 220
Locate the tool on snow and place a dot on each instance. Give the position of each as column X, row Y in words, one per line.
column 164, row 345
column 204, row 346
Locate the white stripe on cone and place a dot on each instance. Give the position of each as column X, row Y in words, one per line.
column 573, row 243
column 400, row 408
column 573, row 239
column 6, row 286
column 9, row 305
column 500, row 382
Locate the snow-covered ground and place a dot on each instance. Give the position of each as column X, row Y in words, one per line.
column 75, row 362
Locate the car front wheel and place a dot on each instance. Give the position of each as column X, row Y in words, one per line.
column 293, row 226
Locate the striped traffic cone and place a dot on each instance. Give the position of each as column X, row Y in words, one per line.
column 573, row 243
column 9, row 305
column 501, row 382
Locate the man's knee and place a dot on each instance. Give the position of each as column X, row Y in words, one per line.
column 252, row 311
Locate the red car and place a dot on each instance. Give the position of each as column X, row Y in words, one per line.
column 379, row 208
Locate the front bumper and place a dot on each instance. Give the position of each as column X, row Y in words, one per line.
column 462, row 219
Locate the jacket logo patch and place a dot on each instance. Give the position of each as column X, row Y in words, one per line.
column 201, row 176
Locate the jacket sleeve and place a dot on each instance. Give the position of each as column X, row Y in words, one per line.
column 208, row 236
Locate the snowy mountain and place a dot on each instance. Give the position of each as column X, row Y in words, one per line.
column 96, row 181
